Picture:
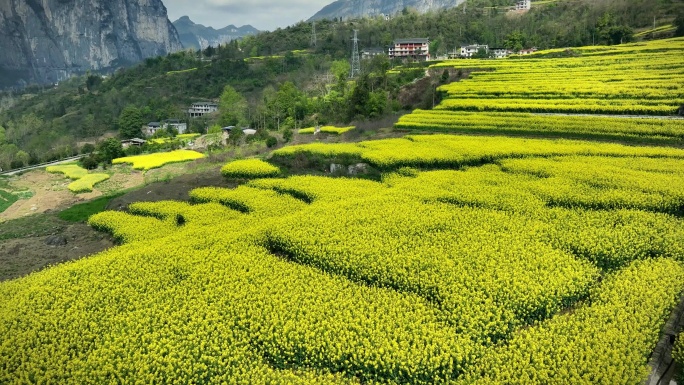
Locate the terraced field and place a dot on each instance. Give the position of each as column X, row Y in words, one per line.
column 470, row 260
column 507, row 96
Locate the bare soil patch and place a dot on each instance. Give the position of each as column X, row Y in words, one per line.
column 22, row 256
column 177, row 188
column 50, row 194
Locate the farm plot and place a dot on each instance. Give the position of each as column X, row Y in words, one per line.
column 446, row 274
column 514, row 96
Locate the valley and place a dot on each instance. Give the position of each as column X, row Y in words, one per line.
column 468, row 220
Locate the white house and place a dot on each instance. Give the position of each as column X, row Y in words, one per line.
column 499, row 53
column 152, row 128
column 369, row 53
column 523, row 5
column 202, row 108
column 471, row 50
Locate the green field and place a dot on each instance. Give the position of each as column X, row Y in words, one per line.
column 528, row 253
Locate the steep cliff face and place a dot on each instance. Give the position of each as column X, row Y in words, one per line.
column 197, row 36
column 358, row 8
column 48, row 40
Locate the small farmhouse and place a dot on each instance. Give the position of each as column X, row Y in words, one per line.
column 472, row 50
column 180, row 127
column 369, row 53
column 202, row 108
column 500, row 53
column 416, row 49
column 527, row 51
column 132, row 142
column 152, row 128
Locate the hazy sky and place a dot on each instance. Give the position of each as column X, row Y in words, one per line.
column 262, row 14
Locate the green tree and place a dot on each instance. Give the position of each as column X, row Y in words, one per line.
column 131, row 122
column 341, row 69
column 87, row 148
column 481, row 54
column 358, row 102
column 679, row 23
column 235, row 136
column 22, row 158
column 110, row 149
column 215, row 129
column 514, row 41
column 233, row 108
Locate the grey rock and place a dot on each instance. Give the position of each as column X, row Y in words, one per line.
column 337, row 168
column 359, row 168
column 56, row 240
column 47, row 41
column 347, row 9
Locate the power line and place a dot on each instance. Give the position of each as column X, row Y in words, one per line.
column 355, row 60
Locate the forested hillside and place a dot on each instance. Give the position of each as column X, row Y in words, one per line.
column 282, row 81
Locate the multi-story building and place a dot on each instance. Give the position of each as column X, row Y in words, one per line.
column 416, row 49
column 523, row 5
column 202, row 108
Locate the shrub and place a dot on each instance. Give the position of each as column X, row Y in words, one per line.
column 249, row 168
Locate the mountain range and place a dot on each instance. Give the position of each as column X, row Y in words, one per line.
column 347, row 9
column 197, row 36
column 49, row 40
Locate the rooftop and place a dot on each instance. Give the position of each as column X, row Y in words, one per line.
column 204, row 104
column 410, row 41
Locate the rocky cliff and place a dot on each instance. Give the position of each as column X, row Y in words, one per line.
column 197, row 36
column 347, row 9
column 49, row 40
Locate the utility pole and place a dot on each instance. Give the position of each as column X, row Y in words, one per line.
column 313, row 35
column 355, row 60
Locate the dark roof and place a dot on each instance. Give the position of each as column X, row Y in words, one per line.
column 134, row 140
column 204, row 104
column 228, row 128
column 408, row 41
column 374, row 49
column 153, row 124
column 173, row 121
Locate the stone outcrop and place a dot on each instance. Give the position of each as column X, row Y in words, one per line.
column 47, row 41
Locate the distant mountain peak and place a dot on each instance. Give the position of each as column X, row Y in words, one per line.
column 364, row 8
column 198, row 36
